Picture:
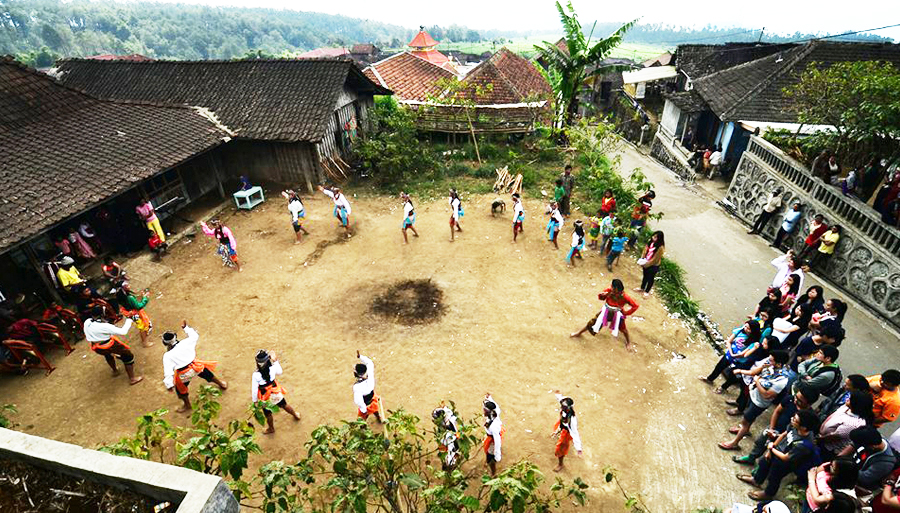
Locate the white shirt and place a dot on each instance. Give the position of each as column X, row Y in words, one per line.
column 184, row 352
column 95, row 331
column 716, row 158
column 339, row 200
column 295, row 207
column 366, row 386
column 556, row 216
column 573, row 427
column 257, row 379
column 454, row 208
column 407, row 209
column 784, row 271
column 576, row 240
column 772, row 203
column 493, row 430
column 518, row 210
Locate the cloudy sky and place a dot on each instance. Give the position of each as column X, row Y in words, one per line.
column 782, row 16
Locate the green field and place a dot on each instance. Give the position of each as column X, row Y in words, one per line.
column 525, row 46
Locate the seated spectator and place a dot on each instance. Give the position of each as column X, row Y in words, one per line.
column 834, row 434
column 766, row 386
column 743, row 341
column 26, row 330
column 817, row 227
column 789, row 405
column 827, row 479
column 887, row 501
column 821, row 372
column 835, row 309
column 826, row 247
column 831, row 335
column 789, row 292
column 67, row 274
column 792, row 452
column 759, row 358
column 770, row 507
column 815, row 297
column 772, row 301
column 887, row 396
column 158, row 246
column 112, row 271
column 790, row 328
column 839, row 397
column 873, row 455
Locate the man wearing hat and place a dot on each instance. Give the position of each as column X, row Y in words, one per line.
column 67, row 274
column 494, row 430
column 566, row 429
column 102, row 337
column 367, row 401
column 180, row 365
column 265, row 388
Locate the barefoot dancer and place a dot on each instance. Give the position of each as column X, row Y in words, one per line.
column 613, row 313
column 409, row 217
column 265, row 388
column 555, row 223
column 456, row 212
column 227, row 244
column 180, row 365
column 518, row 215
column 102, row 337
column 341, row 206
column 298, row 212
column 131, row 306
column 566, row 429
column 367, row 401
column 577, row 243
column 448, row 433
column 494, row 429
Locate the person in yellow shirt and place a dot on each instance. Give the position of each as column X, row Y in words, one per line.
column 886, row 391
column 67, row 274
column 827, row 244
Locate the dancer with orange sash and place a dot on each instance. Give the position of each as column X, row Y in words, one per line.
column 448, row 433
column 364, row 396
column 613, row 313
column 265, row 388
column 180, row 365
column 566, row 429
column 493, row 426
column 131, row 306
column 102, row 337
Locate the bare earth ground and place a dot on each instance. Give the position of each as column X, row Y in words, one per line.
column 509, row 310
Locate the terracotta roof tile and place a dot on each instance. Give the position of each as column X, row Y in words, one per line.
column 514, row 79
column 409, row 77
column 63, row 151
column 422, row 40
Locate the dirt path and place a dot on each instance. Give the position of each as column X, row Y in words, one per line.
column 508, row 311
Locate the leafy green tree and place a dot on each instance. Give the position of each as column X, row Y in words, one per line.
column 5, row 410
column 568, row 68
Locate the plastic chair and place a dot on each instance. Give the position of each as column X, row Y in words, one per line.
column 21, row 350
column 52, row 334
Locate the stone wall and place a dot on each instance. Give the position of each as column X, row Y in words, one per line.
column 661, row 148
column 865, row 264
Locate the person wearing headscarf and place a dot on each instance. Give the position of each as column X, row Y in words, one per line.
column 227, row 248
column 494, row 431
column 364, row 396
column 67, row 275
column 341, row 206
column 180, row 365
column 566, row 429
column 265, row 388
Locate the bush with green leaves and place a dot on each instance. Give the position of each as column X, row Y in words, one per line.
column 390, row 151
column 5, row 410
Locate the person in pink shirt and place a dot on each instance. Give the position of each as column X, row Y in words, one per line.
column 227, row 248
column 827, row 479
column 148, row 214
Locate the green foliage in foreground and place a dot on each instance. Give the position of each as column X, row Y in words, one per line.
column 5, row 410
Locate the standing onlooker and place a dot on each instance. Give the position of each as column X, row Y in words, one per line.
column 148, row 214
column 826, row 247
column 82, row 248
column 577, row 243
column 715, row 160
column 456, row 212
column 568, row 183
column 773, row 203
column 787, row 225
column 616, row 246
column 607, row 202
column 559, row 193
column 606, row 230
column 518, row 215
column 887, row 396
column 817, row 228
column 594, row 231
column 650, row 260
column 639, row 215
column 787, row 264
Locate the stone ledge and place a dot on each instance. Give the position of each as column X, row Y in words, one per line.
column 196, row 492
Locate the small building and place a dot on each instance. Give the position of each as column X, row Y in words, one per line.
column 67, row 157
column 424, row 47
column 408, row 77
column 663, row 59
column 324, row 52
column 293, row 120
column 364, row 52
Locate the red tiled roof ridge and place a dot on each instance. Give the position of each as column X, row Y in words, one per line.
column 422, row 40
column 201, row 61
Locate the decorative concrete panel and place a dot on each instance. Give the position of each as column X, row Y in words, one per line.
column 865, row 263
column 661, row 150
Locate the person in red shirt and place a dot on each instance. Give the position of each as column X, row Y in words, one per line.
column 157, row 245
column 817, row 228
column 613, row 313
column 607, row 202
column 26, row 330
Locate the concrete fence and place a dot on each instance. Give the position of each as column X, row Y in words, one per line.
column 193, row 491
column 866, row 262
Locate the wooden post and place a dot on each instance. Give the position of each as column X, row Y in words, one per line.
column 33, row 260
column 215, row 168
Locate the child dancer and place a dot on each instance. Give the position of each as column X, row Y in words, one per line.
column 409, row 217
column 131, row 306
column 456, row 212
column 616, row 246
column 494, row 429
column 341, row 206
column 566, row 429
column 518, row 215
column 594, row 232
column 613, row 313
column 555, row 223
column 606, row 230
column 298, row 212
column 447, row 431
column 265, row 388
column 367, row 401
column 227, row 245
column 577, row 243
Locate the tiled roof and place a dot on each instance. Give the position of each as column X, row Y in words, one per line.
column 278, row 100
column 435, row 57
column 364, row 49
column 687, row 101
column 112, row 57
column 62, row 151
column 754, row 91
column 409, row 77
column 663, row 59
column 422, row 40
column 514, row 80
column 700, row 60
column 323, row 52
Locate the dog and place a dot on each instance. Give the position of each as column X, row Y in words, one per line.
column 498, row 206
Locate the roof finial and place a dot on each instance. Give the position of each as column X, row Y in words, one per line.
column 421, row 28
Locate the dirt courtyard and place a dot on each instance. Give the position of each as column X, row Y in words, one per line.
column 508, row 312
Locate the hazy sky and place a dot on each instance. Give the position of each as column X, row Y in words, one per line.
column 782, row 16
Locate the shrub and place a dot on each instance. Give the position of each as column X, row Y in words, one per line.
column 457, row 169
column 486, row 171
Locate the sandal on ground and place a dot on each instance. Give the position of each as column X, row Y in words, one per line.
column 734, row 430
column 719, row 391
column 734, row 412
column 726, row 447
column 703, row 379
column 731, row 402
column 747, row 478
column 759, row 496
column 743, row 460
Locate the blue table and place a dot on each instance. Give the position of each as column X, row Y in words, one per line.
column 249, row 198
